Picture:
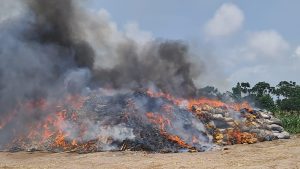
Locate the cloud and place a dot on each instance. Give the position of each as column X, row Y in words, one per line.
column 271, row 73
column 264, row 56
column 250, row 74
column 267, row 44
column 261, row 46
column 227, row 20
column 297, row 52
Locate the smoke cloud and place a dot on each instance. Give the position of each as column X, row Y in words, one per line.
column 52, row 38
column 50, row 48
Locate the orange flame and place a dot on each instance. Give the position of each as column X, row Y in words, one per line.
column 51, row 127
column 164, row 123
column 199, row 102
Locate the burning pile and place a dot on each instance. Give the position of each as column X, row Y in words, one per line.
column 141, row 121
column 71, row 81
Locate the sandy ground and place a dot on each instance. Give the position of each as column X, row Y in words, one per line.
column 276, row 154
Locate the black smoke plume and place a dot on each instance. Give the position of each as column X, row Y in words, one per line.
column 162, row 63
column 57, row 46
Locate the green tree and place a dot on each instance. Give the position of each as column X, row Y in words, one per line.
column 245, row 87
column 262, row 93
column 237, row 92
column 288, row 96
column 261, row 88
column 266, row 102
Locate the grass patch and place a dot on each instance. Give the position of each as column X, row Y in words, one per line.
column 290, row 121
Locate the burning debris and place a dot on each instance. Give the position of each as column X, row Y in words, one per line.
column 142, row 121
column 70, row 81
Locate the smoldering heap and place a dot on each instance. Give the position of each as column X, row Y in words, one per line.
column 70, row 81
column 143, row 121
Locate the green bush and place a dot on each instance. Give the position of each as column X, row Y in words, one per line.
column 290, row 121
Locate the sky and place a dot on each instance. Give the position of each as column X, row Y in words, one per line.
column 178, row 19
column 249, row 40
column 240, row 41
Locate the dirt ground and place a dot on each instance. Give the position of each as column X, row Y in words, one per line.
column 276, row 154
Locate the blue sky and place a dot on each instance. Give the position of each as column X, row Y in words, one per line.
column 241, row 40
column 179, row 19
column 248, row 40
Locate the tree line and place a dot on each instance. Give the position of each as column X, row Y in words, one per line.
column 285, row 96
